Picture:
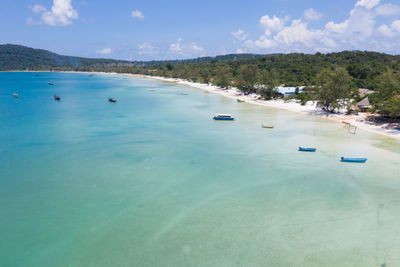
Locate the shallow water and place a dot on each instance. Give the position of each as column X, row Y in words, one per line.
column 152, row 181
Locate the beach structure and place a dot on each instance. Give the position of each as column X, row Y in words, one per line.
column 289, row 91
column 363, row 92
column 364, row 105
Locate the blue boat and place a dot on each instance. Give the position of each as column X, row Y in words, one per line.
column 307, row 149
column 354, row 160
column 240, row 100
column 223, row 117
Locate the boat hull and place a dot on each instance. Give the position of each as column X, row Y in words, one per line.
column 307, row 149
column 354, row 160
column 223, row 119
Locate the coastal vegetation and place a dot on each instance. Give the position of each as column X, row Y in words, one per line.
column 330, row 79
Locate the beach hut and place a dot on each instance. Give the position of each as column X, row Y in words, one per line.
column 364, row 105
column 363, row 92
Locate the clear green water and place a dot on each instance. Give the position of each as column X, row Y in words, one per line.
column 153, row 181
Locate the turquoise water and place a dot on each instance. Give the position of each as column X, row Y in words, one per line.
column 152, row 181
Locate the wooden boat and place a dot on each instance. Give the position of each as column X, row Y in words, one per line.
column 57, row 98
column 307, row 149
column 223, row 117
column 354, row 160
column 15, row 95
column 51, row 83
column 267, row 126
column 112, row 100
column 240, row 100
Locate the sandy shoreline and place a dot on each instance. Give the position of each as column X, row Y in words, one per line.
column 309, row 109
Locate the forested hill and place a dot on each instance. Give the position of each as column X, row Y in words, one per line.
column 17, row 57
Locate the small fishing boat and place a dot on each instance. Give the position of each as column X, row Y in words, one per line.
column 354, row 160
column 240, row 100
column 57, row 98
column 223, row 117
column 307, row 149
column 267, row 126
column 15, row 95
column 112, row 100
column 51, row 83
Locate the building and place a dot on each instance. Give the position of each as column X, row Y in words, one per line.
column 364, row 92
column 289, row 91
column 364, row 105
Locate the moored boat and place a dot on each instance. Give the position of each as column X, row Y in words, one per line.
column 267, row 126
column 240, row 100
column 223, row 117
column 112, row 100
column 307, row 149
column 354, row 160
column 51, row 83
column 57, row 98
column 15, row 95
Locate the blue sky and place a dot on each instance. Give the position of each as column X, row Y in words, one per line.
column 147, row 30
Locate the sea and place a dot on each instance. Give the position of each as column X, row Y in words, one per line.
column 153, row 180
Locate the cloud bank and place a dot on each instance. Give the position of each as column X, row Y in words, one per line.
column 359, row 31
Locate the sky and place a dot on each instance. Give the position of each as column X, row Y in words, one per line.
column 178, row 29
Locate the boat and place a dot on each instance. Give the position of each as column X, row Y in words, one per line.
column 15, row 95
column 240, row 100
column 267, row 126
column 307, row 149
column 355, row 160
column 57, row 98
column 112, row 100
column 51, row 83
column 223, row 117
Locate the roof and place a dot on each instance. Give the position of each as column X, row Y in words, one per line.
column 364, row 103
column 364, row 92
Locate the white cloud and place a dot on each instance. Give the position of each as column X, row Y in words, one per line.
column 61, row 14
column 358, row 31
column 387, row 10
column 392, row 30
column 272, row 25
column 311, row 14
column 240, row 35
column 148, row 49
column 190, row 49
column 31, row 21
column 105, row 51
column 385, row 30
column 137, row 14
column 37, row 9
column 396, row 25
column 368, row 4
